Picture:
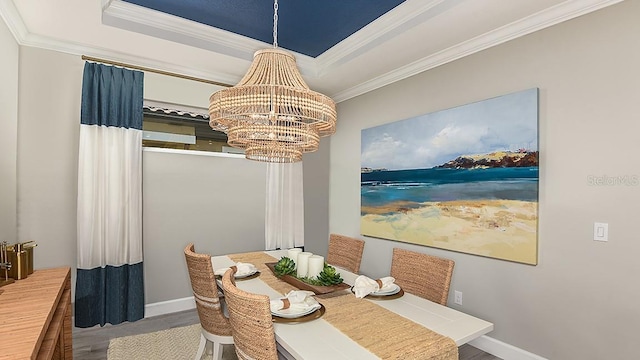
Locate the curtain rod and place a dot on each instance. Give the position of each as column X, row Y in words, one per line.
column 162, row 72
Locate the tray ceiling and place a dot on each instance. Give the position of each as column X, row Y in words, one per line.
column 344, row 48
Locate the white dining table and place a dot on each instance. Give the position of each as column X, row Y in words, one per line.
column 319, row 340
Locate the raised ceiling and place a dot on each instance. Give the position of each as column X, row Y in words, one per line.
column 403, row 38
column 306, row 27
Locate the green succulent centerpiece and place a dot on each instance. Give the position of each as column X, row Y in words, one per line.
column 285, row 266
column 327, row 277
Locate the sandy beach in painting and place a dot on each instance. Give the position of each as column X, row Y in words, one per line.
column 504, row 229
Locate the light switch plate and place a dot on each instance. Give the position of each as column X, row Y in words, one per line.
column 601, row 231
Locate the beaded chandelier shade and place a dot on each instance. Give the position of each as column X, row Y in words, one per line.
column 271, row 113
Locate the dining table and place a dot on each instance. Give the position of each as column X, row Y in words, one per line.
column 321, row 339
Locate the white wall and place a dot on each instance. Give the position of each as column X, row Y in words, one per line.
column 581, row 300
column 8, row 134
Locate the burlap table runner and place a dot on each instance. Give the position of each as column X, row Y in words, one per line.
column 384, row 333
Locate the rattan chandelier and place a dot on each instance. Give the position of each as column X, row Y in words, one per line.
column 271, row 113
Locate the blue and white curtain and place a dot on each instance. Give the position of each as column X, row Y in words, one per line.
column 109, row 284
column 284, row 219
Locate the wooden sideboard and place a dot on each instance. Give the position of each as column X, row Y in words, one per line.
column 35, row 316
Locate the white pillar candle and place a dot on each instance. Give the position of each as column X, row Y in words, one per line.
column 303, row 263
column 293, row 254
column 316, row 264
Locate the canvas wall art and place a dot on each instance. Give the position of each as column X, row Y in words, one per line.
column 463, row 179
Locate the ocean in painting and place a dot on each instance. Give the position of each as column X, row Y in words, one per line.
column 462, row 179
column 416, row 186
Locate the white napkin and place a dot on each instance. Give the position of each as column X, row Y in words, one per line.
column 364, row 286
column 242, row 269
column 296, row 300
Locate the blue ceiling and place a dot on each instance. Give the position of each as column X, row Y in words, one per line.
column 307, row 27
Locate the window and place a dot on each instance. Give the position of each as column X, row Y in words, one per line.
column 182, row 129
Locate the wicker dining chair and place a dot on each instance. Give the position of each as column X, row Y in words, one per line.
column 423, row 275
column 215, row 325
column 251, row 324
column 345, row 252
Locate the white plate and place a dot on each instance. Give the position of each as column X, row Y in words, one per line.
column 240, row 276
column 387, row 290
column 220, row 272
column 290, row 313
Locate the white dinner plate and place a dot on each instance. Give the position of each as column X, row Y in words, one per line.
column 312, row 305
column 220, row 272
column 240, row 276
column 387, row 290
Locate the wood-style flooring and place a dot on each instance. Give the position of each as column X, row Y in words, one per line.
column 92, row 343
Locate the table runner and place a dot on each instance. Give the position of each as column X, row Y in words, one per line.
column 383, row 332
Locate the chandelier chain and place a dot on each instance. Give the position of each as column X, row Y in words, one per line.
column 275, row 23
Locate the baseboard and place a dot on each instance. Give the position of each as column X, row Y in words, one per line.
column 503, row 350
column 167, row 307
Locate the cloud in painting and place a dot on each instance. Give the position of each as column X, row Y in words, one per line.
column 504, row 123
column 381, row 148
column 457, row 139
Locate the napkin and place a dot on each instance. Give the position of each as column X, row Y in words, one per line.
column 296, row 300
column 364, row 286
column 241, row 269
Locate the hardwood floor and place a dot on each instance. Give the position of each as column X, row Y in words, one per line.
column 468, row 352
column 92, row 343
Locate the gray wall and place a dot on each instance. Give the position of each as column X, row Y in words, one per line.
column 316, row 199
column 215, row 202
column 219, row 205
column 581, row 300
column 8, row 134
column 48, row 131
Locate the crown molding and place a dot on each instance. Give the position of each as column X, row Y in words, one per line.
column 397, row 20
column 538, row 21
column 12, row 18
column 543, row 19
column 128, row 16
column 24, row 38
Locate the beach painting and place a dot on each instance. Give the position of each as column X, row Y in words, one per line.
column 463, row 179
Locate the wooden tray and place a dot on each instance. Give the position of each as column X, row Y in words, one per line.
column 317, row 289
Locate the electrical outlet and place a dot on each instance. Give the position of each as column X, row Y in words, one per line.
column 458, row 297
